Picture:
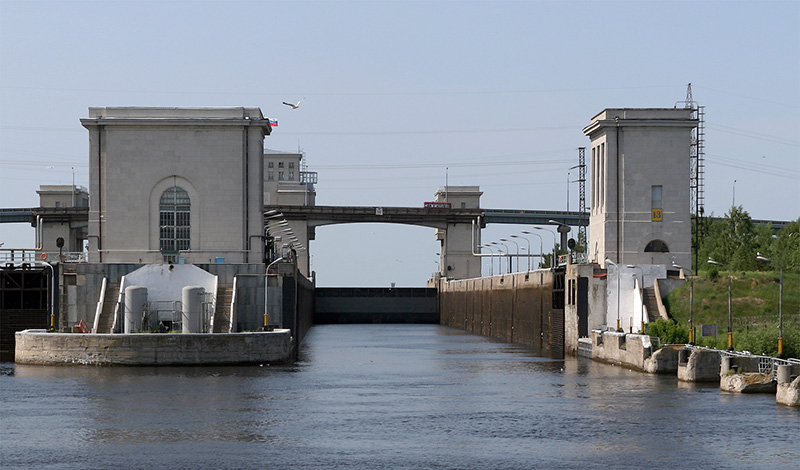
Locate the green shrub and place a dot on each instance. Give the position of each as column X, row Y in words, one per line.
column 668, row 331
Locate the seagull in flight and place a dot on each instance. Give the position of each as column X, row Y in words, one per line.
column 295, row 105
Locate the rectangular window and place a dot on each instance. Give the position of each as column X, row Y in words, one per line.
column 271, row 165
column 291, row 164
column 291, row 175
column 280, row 176
column 280, row 164
column 271, row 176
column 656, row 197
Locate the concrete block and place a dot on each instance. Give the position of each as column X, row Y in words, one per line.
column 788, row 392
column 701, row 366
column 749, row 382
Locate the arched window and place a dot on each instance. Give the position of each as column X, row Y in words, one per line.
column 656, row 246
column 174, row 220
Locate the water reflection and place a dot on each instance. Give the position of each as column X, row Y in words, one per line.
column 386, row 396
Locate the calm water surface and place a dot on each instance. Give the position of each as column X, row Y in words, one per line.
column 386, row 396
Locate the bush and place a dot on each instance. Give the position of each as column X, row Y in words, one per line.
column 668, row 331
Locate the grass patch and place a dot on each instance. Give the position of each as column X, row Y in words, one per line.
column 754, row 309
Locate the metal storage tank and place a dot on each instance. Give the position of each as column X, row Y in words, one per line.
column 192, row 297
column 135, row 304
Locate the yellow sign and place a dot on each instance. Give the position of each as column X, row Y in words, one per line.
column 657, row 215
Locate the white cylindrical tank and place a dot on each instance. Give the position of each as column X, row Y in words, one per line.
column 135, row 305
column 192, row 297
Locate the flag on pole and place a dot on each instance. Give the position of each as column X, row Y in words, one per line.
column 273, row 122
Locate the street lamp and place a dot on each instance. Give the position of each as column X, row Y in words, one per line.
column 691, row 303
column 540, row 241
column 491, row 262
column 761, row 257
column 563, row 229
column 508, row 266
column 641, row 287
column 730, row 316
column 529, row 250
column 517, row 245
column 608, row 261
column 554, row 242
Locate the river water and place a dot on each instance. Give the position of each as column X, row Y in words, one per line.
column 386, row 396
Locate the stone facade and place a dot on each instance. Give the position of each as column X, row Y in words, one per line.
column 213, row 155
column 640, row 186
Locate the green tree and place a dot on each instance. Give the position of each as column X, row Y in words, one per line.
column 734, row 240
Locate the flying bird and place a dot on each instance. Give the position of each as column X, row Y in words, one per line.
column 295, row 105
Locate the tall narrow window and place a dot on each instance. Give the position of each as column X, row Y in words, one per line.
column 657, row 214
column 174, row 220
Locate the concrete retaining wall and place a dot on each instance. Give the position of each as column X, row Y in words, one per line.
column 516, row 308
column 634, row 351
column 45, row 348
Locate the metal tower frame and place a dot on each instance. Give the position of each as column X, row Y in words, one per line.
column 697, row 171
column 582, row 193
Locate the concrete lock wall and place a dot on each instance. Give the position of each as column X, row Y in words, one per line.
column 45, row 348
column 515, row 308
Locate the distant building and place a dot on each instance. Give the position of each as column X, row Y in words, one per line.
column 640, row 186
column 457, row 260
column 57, row 200
column 287, row 183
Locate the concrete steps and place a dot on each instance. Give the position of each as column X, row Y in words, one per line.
column 651, row 303
column 109, row 307
column 222, row 316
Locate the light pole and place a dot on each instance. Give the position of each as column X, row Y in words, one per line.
column 691, row 304
column 730, row 316
column 563, row 229
column 608, row 261
column 641, row 287
column 529, row 250
column 761, row 257
column 540, row 241
column 517, row 245
column 491, row 262
column 554, row 243
column 266, row 292
column 508, row 266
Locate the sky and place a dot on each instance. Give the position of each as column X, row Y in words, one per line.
column 401, row 97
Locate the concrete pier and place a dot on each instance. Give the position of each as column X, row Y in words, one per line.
column 151, row 349
column 788, row 387
column 698, row 365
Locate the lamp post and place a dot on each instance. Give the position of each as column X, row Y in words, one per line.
column 608, row 261
column 517, row 245
column 563, row 229
column 761, row 257
column 529, row 250
column 540, row 241
column 508, row 257
column 491, row 262
column 730, row 316
column 691, row 303
column 554, row 243
column 641, row 287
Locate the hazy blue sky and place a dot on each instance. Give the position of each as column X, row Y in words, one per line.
column 395, row 92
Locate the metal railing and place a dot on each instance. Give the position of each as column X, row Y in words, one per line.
column 766, row 364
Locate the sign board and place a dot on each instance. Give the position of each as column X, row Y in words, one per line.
column 657, row 215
